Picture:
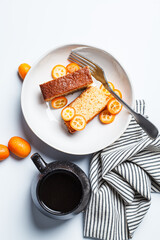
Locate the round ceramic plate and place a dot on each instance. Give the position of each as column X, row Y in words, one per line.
column 46, row 122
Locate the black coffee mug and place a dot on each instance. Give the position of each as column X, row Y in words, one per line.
column 61, row 190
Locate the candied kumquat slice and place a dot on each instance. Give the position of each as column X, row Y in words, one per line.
column 111, row 85
column 78, row 122
column 114, row 106
column 108, row 98
column 106, row 117
column 59, row 102
column 67, row 113
column 59, row 71
column 72, row 67
column 118, row 92
column 105, row 90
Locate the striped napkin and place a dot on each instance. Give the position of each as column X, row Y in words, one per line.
column 122, row 177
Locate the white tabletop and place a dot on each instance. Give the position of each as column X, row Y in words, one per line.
column 130, row 31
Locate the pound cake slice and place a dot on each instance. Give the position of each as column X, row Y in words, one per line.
column 67, row 84
column 89, row 104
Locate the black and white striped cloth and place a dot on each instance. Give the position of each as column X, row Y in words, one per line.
column 122, row 177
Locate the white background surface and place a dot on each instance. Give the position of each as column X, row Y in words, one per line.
column 130, row 31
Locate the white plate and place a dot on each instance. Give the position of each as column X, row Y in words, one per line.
column 46, row 123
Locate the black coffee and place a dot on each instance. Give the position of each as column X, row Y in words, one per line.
column 60, row 192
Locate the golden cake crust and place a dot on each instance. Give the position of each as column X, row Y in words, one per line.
column 67, row 84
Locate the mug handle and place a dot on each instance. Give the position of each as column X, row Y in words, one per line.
column 39, row 162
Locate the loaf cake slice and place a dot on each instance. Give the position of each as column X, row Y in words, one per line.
column 89, row 104
column 67, row 84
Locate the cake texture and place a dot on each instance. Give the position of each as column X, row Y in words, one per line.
column 89, row 104
column 69, row 83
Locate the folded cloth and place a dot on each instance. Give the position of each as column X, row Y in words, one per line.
column 122, row 177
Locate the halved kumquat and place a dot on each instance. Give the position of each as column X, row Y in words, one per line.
column 59, row 71
column 118, row 92
column 105, row 90
column 111, row 85
column 59, row 102
column 72, row 67
column 105, row 117
column 108, row 98
column 67, row 113
column 114, row 106
column 78, row 122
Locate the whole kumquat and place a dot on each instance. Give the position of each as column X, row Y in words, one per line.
column 19, row 147
column 23, row 70
column 4, row 152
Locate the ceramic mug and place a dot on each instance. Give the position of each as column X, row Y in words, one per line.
column 61, row 189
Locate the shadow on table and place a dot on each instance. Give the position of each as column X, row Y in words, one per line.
column 45, row 149
column 41, row 221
